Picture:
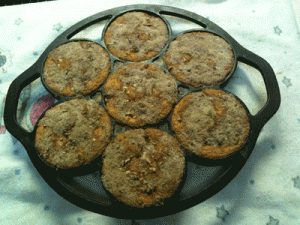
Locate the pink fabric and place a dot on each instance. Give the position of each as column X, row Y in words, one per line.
column 2, row 129
column 40, row 107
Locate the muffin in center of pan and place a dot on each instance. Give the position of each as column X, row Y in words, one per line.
column 211, row 124
column 76, row 68
column 73, row 133
column 136, row 36
column 140, row 94
column 142, row 168
column 199, row 59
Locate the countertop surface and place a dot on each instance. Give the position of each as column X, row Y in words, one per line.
column 267, row 189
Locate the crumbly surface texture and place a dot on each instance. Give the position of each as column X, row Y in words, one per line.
column 211, row 123
column 142, row 168
column 140, row 94
column 73, row 133
column 76, row 68
column 136, row 36
column 199, row 59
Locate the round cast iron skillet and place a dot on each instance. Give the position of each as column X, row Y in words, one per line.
column 202, row 180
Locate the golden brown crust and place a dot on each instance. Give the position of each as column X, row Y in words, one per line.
column 76, row 68
column 140, row 36
column 199, row 59
column 211, row 123
column 139, row 94
column 73, row 133
column 142, row 168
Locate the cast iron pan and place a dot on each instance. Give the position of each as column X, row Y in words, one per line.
column 202, row 179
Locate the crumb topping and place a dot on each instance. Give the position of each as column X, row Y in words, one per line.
column 136, row 36
column 210, row 122
column 73, row 133
column 143, row 167
column 199, row 59
column 76, row 68
column 140, row 92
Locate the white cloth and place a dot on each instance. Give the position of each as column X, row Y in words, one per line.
column 266, row 191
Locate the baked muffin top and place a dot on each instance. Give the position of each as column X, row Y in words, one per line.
column 211, row 123
column 76, row 68
column 199, row 59
column 142, row 168
column 139, row 94
column 73, row 133
column 136, row 36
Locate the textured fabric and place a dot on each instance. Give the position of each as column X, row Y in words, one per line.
column 266, row 191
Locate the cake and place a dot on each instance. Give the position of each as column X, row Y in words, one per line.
column 140, row 94
column 136, row 36
column 73, row 133
column 210, row 124
column 199, row 59
column 76, row 68
column 143, row 167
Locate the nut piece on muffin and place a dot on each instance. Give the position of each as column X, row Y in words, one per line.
column 76, row 68
column 140, row 94
column 211, row 124
column 73, row 133
column 136, row 36
column 199, row 59
column 142, row 168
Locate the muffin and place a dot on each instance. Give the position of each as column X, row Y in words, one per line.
column 76, row 68
column 211, row 124
column 136, row 36
column 199, row 59
column 140, row 94
column 143, row 167
column 73, row 133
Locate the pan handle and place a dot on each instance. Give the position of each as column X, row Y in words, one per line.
column 273, row 93
column 11, row 104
